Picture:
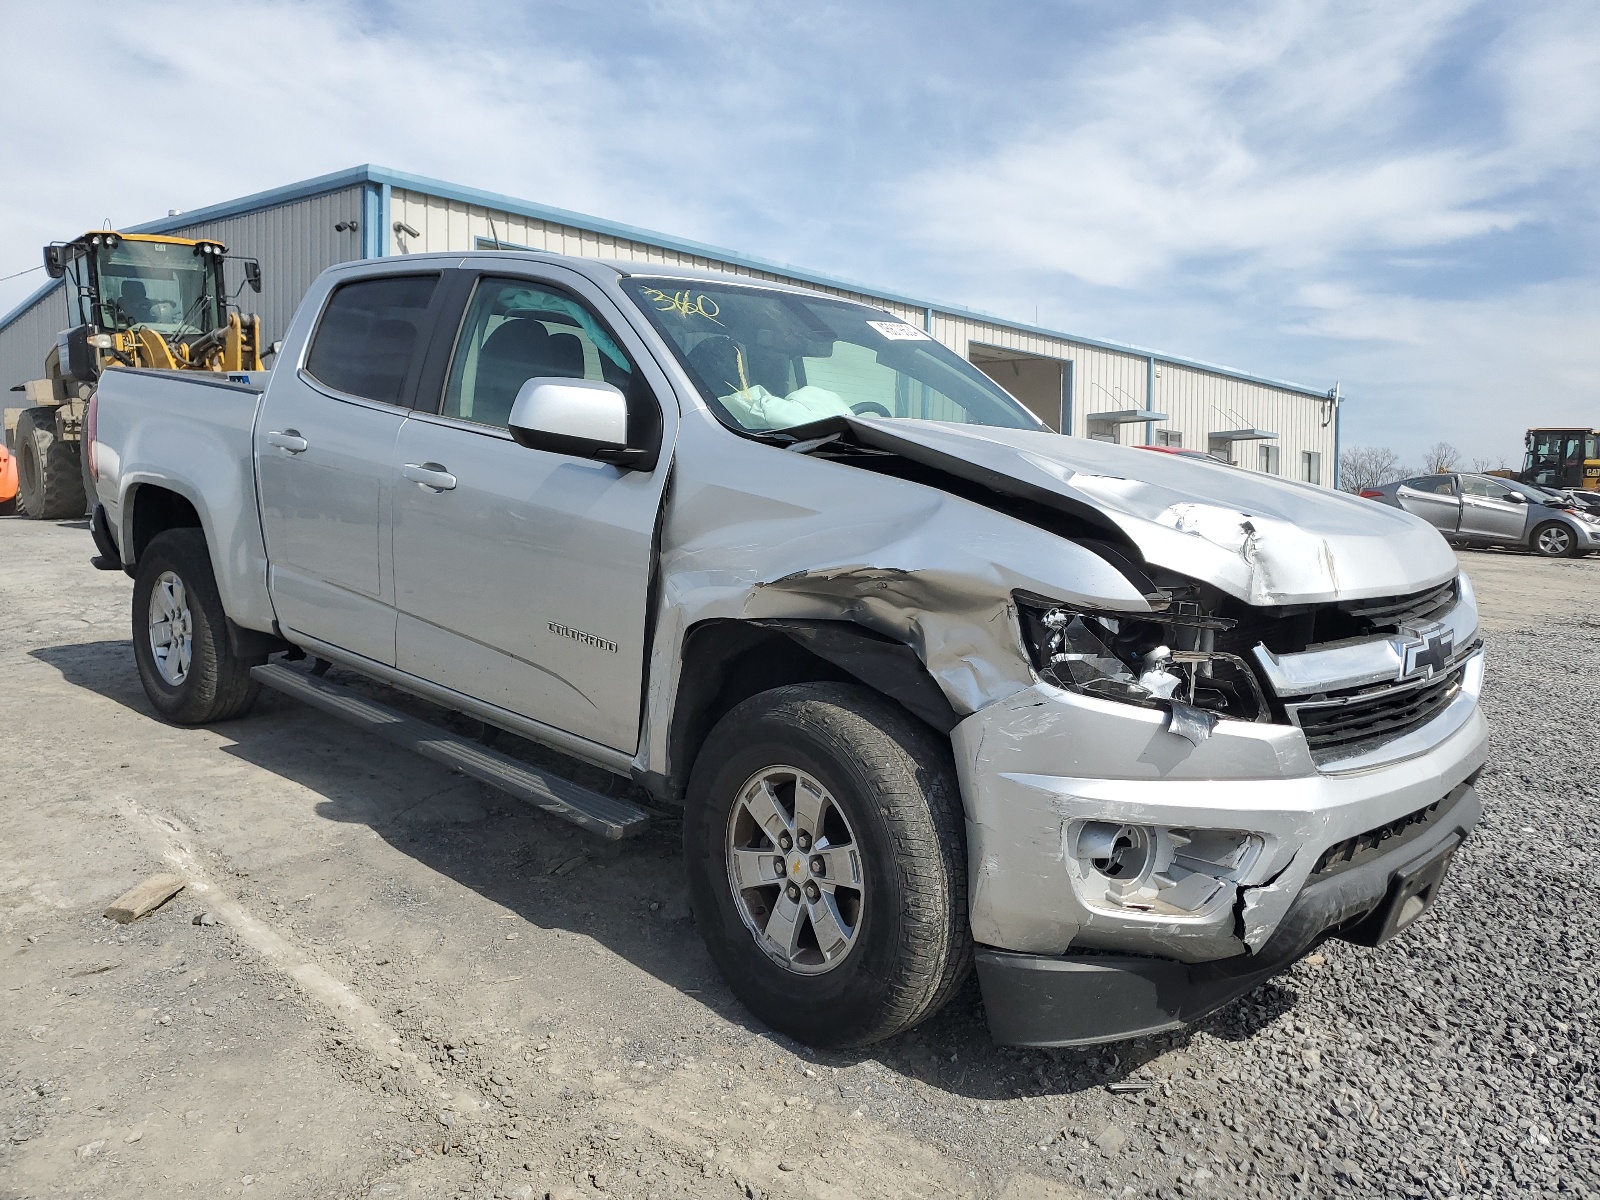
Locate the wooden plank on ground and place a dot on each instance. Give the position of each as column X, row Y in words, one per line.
column 143, row 898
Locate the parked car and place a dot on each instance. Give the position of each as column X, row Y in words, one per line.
column 1585, row 500
column 931, row 683
column 1479, row 510
column 1183, row 453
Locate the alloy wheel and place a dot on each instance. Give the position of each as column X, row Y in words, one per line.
column 795, row 870
column 1556, row 540
column 171, row 628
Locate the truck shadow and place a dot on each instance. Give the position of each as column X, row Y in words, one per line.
column 630, row 897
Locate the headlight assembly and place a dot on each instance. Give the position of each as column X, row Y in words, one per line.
column 1161, row 660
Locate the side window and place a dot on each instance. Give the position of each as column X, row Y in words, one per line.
column 1472, row 485
column 516, row 330
column 1443, row 485
column 368, row 333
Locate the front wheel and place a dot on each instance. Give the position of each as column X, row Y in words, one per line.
column 180, row 635
column 1554, row 540
column 825, row 843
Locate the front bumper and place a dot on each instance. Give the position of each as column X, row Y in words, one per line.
column 1084, row 999
column 1035, row 766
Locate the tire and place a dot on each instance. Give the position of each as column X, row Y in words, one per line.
column 894, row 827
column 49, row 474
column 1554, row 540
column 212, row 683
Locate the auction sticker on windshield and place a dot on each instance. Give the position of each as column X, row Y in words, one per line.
column 899, row 331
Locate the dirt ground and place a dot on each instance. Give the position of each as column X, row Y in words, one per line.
column 386, row 980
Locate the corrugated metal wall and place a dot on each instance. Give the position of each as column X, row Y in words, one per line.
column 294, row 242
column 1197, row 402
column 25, row 342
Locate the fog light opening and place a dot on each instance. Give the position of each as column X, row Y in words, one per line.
column 1120, row 852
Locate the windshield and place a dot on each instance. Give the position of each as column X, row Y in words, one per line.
column 768, row 360
column 1538, row 494
column 162, row 285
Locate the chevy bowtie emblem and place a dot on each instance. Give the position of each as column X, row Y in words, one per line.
column 1426, row 651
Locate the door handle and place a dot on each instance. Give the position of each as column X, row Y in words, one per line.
column 430, row 475
column 288, row 439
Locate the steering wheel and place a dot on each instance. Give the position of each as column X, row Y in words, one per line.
column 870, row 406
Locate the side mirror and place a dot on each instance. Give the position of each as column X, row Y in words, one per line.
column 273, row 349
column 579, row 417
column 1517, row 498
column 55, row 261
column 252, row 274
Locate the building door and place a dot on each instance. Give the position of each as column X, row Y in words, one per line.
column 522, row 576
column 1037, row 382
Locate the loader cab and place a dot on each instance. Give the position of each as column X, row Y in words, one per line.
column 1562, row 458
column 117, row 282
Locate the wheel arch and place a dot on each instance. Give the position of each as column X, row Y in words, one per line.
column 725, row 661
column 152, row 508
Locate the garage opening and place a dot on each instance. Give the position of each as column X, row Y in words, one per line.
column 1043, row 385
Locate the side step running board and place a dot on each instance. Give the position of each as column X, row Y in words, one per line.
column 614, row 819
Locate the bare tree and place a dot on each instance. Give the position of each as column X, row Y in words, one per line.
column 1481, row 466
column 1368, row 467
column 1440, row 459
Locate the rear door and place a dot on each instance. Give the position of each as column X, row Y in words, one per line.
column 1492, row 512
column 324, row 448
column 522, row 577
column 1433, row 498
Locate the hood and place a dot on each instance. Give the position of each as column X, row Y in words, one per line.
column 1259, row 538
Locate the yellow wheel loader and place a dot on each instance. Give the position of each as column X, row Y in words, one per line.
column 133, row 300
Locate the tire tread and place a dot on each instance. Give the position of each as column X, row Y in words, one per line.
column 219, row 686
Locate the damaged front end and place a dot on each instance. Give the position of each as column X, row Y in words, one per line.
column 1162, row 719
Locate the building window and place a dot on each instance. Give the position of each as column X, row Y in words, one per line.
column 1267, row 459
column 1170, row 437
column 1311, row 466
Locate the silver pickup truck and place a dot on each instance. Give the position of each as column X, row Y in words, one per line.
column 932, row 685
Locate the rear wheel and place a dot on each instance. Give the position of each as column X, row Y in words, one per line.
column 49, row 478
column 827, row 864
column 180, row 635
column 1554, row 540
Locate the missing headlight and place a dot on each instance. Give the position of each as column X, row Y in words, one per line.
column 1156, row 660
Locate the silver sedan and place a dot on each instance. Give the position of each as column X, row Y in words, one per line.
column 1480, row 510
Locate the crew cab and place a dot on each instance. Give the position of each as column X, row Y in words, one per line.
column 932, row 684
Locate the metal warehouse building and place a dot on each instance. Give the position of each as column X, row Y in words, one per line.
column 1082, row 386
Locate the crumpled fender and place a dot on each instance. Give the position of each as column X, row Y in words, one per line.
column 783, row 535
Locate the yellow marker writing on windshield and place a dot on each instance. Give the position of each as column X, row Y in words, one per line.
column 685, row 304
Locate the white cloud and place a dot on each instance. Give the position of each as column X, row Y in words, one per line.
column 1279, row 137
column 205, row 102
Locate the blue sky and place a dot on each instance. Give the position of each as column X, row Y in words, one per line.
column 1401, row 197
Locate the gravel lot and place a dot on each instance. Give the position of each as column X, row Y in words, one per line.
column 415, row 987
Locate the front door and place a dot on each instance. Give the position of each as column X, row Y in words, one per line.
column 1433, row 498
column 324, row 443
column 522, row 577
column 1491, row 511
